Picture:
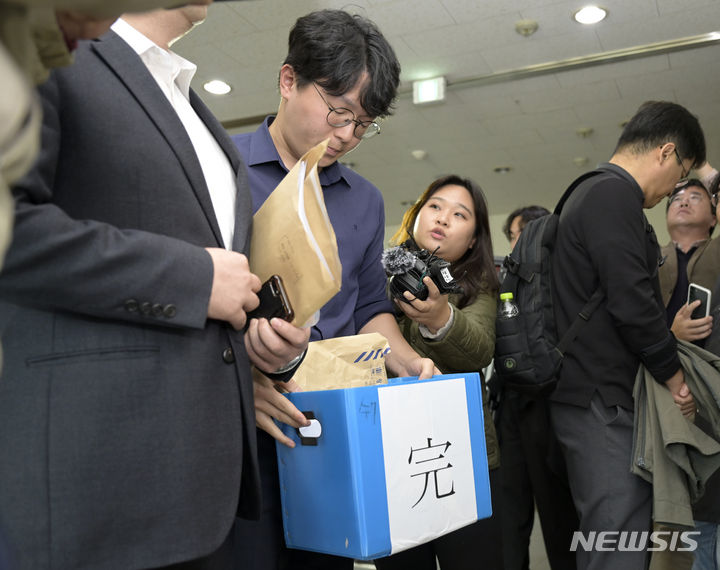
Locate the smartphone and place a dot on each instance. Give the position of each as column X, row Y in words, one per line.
column 696, row 292
column 274, row 301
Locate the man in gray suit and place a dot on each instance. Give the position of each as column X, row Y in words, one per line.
column 127, row 430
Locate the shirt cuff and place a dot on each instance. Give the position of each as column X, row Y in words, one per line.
column 442, row 331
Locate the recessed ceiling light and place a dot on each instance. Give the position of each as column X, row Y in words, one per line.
column 217, row 87
column 526, row 28
column 590, row 15
column 502, row 169
column 581, row 160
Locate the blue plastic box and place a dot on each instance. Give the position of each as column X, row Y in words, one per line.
column 385, row 468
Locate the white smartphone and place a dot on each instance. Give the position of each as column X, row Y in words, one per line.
column 696, row 292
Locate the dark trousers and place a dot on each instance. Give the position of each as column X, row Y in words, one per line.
column 260, row 545
column 534, row 474
column 597, row 444
column 475, row 546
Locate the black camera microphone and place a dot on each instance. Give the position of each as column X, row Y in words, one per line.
column 407, row 269
column 397, row 260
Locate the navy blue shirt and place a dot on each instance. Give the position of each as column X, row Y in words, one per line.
column 357, row 214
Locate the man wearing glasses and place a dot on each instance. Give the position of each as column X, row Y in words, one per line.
column 691, row 257
column 605, row 240
column 339, row 77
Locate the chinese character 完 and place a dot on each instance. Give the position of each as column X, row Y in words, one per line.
column 432, row 458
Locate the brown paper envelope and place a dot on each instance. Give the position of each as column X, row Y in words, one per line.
column 344, row 362
column 293, row 237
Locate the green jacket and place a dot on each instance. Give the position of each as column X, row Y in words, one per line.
column 467, row 347
column 669, row 451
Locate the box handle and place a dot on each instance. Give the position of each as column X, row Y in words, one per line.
column 309, row 435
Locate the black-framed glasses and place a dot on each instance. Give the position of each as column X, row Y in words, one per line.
column 342, row 117
column 684, row 173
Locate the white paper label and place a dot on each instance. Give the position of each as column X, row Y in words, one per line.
column 428, row 460
column 445, row 272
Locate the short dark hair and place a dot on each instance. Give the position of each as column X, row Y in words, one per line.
column 526, row 213
column 333, row 49
column 658, row 122
column 475, row 270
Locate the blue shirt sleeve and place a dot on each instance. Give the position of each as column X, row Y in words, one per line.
column 372, row 299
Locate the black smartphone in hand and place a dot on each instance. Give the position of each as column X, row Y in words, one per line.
column 274, row 301
column 696, row 292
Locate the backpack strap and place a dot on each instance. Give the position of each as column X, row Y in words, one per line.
column 596, row 298
column 572, row 187
column 581, row 320
column 526, row 271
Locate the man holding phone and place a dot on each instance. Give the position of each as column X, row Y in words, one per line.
column 691, row 258
column 339, row 78
column 127, row 425
column 690, row 270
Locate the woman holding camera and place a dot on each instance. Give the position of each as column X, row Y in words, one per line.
column 457, row 331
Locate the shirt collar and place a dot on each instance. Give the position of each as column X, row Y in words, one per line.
column 693, row 246
column 625, row 175
column 263, row 150
column 173, row 67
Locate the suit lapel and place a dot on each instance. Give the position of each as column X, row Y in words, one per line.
column 132, row 72
column 695, row 257
column 243, row 199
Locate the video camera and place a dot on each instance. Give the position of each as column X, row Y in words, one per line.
column 407, row 269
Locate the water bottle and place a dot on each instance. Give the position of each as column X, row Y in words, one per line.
column 508, row 308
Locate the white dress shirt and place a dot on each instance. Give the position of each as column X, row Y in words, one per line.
column 173, row 74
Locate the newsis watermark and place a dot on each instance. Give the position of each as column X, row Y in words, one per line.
column 635, row 541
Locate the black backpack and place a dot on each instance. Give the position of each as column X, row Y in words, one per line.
column 528, row 354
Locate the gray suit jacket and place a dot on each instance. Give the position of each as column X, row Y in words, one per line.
column 126, row 417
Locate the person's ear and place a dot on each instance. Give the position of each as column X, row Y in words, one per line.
column 287, row 81
column 667, row 151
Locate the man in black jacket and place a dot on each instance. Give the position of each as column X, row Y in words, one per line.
column 605, row 240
